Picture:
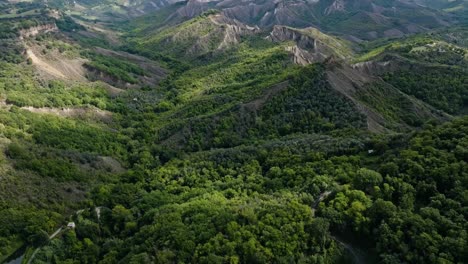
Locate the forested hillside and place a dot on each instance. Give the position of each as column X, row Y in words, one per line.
column 210, row 132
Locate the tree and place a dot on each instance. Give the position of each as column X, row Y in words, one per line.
column 39, row 239
column 366, row 179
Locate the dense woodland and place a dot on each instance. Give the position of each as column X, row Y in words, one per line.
column 235, row 157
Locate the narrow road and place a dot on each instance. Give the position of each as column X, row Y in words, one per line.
column 37, row 249
column 322, row 197
column 56, row 233
column 358, row 257
column 60, row 229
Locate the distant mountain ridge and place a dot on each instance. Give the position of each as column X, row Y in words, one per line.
column 355, row 19
column 359, row 19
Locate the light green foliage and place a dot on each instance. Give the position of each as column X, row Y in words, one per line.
column 184, row 39
column 239, row 156
column 252, row 205
column 435, row 48
column 116, row 68
column 443, row 88
column 19, row 87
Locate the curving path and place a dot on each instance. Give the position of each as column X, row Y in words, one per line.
column 37, row 249
column 358, row 258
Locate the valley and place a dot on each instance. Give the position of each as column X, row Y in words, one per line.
column 222, row 131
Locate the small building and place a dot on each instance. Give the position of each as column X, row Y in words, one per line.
column 71, row 225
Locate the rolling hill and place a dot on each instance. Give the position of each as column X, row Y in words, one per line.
column 221, row 131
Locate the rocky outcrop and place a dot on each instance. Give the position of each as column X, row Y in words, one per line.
column 41, row 29
column 336, row 7
column 302, row 57
column 233, row 30
column 375, row 67
column 383, row 64
column 282, row 34
column 310, row 44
